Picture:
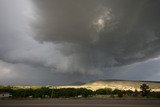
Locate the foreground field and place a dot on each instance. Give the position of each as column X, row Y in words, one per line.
column 79, row 103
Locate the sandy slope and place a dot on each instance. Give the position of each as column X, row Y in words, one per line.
column 123, row 85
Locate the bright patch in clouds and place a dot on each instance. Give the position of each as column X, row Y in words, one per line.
column 103, row 19
column 6, row 70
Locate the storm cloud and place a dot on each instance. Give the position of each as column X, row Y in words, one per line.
column 64, row 41
column 103, row 33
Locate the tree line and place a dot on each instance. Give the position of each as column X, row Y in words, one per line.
column 46, row 92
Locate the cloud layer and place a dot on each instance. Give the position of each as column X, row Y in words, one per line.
column 103, row 33
column 59, row 41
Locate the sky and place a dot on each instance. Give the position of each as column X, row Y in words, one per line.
column 57, row 42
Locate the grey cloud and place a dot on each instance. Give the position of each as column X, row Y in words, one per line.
column 147, row 70
column 18, row 46
column 125, row 38
column 22, row 74
column 59, row 41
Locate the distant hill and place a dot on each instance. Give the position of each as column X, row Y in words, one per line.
column 116, row 84
column 123, row 85
column 113, row 84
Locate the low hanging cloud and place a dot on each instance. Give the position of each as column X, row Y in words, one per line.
column 100, row 33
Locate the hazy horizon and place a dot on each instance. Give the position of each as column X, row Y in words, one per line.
column 44, row 42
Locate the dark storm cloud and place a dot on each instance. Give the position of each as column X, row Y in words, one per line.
column 100, row 33
column 63, row 41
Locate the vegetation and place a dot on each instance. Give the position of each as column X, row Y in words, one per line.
column 106, row 91
column 46, row 92
column 145, row 89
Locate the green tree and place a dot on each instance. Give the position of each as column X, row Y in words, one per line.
column 105, row 91
column 145, row 90
column 120, row 94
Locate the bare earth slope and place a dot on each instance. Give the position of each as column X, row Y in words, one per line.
column 122, row 85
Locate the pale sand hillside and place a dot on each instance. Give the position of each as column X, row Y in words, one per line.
column 122, row 85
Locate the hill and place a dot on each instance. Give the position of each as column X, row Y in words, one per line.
column 116, row 84
column 113, row 84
